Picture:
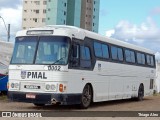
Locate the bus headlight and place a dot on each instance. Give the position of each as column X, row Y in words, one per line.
column 47, row 87
column 14, row 85
column 51, row 87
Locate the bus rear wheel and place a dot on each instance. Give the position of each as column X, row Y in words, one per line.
column 86, row 98
column 140, row 93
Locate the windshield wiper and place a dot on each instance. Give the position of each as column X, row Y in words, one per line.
column 58, row 60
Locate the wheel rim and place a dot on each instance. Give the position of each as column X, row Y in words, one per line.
column 87, row 95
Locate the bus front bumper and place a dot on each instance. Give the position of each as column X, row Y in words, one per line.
column 45, row 98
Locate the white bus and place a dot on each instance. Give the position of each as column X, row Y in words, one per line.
column 68, row 65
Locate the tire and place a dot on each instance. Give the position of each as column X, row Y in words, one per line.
column 140, row 93
column 39, row 105
column 86, row 98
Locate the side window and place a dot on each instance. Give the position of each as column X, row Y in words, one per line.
column 117, row 53
column 83, row 53
column 114, row 53
column 98, row 49
column 105, row 51
column 120, row 54
column 130, row 56
column 101, row 50
column 133, row 59
column 150, row 60
column 141, row 59
column 85, row 59
column 87, row 51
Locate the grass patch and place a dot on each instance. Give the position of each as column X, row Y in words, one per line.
column 3, row 97
column 157, row 94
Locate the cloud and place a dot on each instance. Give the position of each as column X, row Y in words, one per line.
column 147, row 34
column 147, row 30
column 13, row 17
column 10, row 3
column 109, row 33
column 155, row 11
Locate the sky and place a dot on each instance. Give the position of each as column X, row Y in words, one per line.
column 132, row 21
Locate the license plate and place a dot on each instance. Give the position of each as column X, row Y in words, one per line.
column 31, row 96
column 32, row 87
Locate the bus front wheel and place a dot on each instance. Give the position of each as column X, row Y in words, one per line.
column 86, row 98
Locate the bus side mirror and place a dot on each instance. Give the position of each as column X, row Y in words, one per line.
column 74, row 51
column 75, row 56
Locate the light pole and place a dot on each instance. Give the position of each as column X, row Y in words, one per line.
column 8, row 30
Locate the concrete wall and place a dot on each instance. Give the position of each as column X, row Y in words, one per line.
column 6, row 50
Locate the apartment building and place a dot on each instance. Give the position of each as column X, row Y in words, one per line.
column 56, row 12
column 80, row 13
column 74, row 12
column 34, row 13
column 90, row 15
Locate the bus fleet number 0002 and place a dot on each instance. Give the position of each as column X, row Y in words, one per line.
column 54, row 68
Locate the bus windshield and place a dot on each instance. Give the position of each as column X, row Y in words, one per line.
column 41, row 50
column 52, row 50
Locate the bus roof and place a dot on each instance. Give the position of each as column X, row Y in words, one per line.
column 71, row 31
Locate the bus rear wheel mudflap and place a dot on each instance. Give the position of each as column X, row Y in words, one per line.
column 140, row 93
column 87, row 96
